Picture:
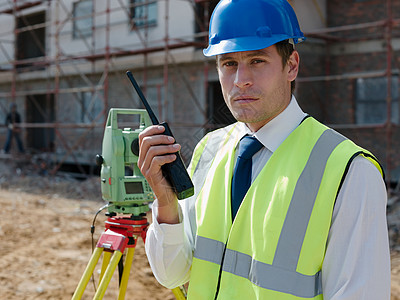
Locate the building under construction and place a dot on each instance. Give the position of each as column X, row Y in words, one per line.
column 63, row 63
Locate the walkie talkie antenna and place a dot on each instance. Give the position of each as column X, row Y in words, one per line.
column 152, row 116
column 175, row 172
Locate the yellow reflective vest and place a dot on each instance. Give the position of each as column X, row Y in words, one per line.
column 275, row 247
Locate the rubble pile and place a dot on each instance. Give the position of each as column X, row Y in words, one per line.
column 32, row 174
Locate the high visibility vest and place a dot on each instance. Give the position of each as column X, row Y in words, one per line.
column 275, row 247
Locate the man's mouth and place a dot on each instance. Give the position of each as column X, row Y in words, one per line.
column 244, row 99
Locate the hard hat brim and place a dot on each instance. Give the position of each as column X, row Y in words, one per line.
column 246, row 44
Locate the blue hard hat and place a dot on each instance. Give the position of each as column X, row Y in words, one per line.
column 245, row 25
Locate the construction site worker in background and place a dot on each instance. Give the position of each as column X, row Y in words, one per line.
column 13, row 130
column 312, row 224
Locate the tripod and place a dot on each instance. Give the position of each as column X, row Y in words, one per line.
column 121, row 233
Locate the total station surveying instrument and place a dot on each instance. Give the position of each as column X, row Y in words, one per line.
column 128, row 196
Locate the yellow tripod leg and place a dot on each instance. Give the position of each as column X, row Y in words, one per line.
column 107, row 275
column 87, row 274
column 178, row 294
column 106, row 261
column 125, row 274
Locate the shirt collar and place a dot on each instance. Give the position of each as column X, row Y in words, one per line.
column 272, row 134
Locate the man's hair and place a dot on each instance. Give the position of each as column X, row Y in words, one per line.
column 285, row 49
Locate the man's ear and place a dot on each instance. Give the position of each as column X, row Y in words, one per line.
column 293, row 64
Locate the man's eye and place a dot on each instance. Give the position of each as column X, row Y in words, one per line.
column 229, row 64
column 257, row 61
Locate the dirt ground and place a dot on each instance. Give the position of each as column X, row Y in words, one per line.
column 46, row 242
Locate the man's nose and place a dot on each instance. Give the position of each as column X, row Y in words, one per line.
column 243, row 76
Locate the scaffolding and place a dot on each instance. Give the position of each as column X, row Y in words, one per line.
column 57, row 67
column 386, row 29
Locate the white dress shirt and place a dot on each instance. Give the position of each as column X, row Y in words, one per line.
column 357, row 260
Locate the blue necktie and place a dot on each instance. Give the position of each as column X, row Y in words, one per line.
column 241, row 179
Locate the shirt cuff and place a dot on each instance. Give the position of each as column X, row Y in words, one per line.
column 171, row 234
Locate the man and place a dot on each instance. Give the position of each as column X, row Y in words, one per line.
column 312, row 224
column 12, row 120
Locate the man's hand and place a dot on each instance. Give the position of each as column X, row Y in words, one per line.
column 156, row 150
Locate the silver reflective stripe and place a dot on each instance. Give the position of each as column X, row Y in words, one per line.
column 271, row 277
column 261, row 274
column 206, row 158
column 216, row 140
column 214, row 143
column 209, row 250
column 281, row 276
column 305, row 193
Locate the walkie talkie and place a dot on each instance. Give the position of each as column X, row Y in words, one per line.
column 175, row 172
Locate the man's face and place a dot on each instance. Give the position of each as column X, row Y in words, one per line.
column 255, row 85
